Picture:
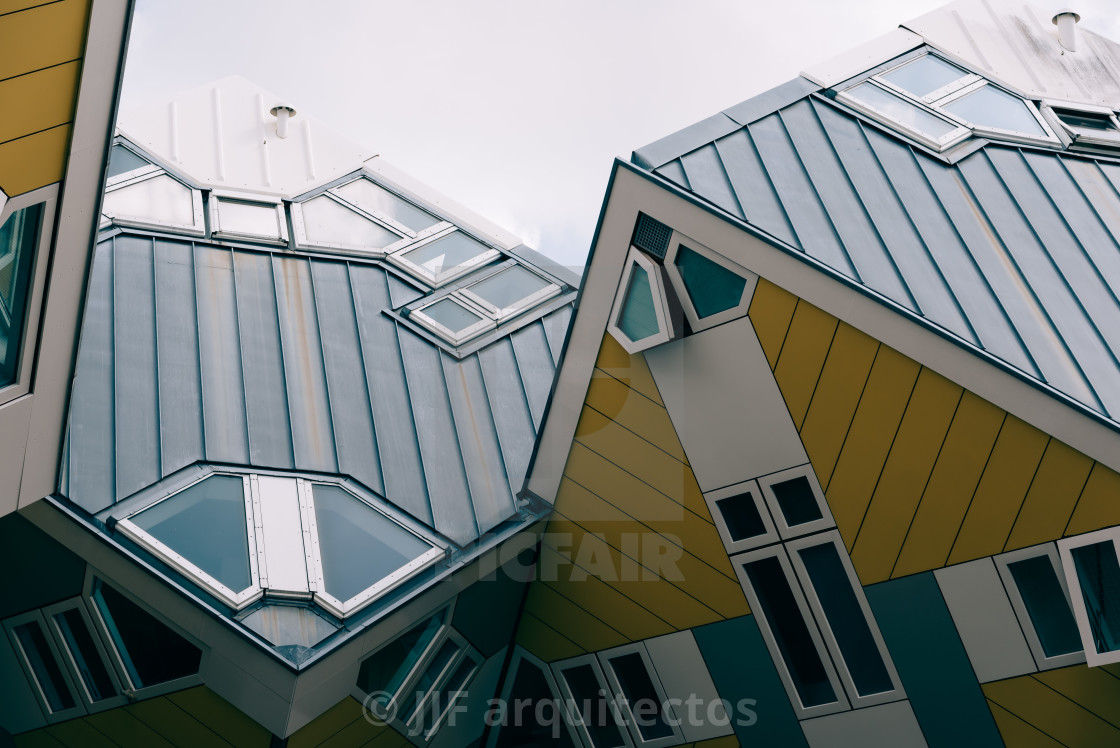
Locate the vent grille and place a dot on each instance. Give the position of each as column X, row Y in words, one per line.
column 651, row 236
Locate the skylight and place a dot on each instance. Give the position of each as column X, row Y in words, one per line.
column 444, row 258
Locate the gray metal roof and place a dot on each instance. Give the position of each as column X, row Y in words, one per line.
column 1013, row 250
column 196, row 352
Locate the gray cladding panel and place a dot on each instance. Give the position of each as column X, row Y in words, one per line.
column 752, row 186
column 707, row 176
column 208, row 351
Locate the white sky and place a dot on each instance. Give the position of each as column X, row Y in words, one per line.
column 515, row 108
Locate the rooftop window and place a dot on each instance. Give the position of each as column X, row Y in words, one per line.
column 1093, row 128
column 712, row 288
column 378, row 201
column 1037, row 590
column 640, row 317
column 444, row 257
column 328, row 223
column 151, row 198
column 233, row 217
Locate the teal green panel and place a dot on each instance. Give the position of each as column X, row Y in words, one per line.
column 741, row 668
column 638, row 319
column 711, row 287
column 932, row 663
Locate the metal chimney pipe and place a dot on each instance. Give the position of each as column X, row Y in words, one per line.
column 282, row 113
column 1066, row 21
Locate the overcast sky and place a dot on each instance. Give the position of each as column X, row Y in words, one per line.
column 515, row 108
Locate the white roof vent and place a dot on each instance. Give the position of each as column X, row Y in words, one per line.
column 1066, row 21
column 282, row 113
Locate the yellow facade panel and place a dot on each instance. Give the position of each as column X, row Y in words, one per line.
column 229, row 721
column 543, row 641
column 33, row 161
column 76, row 732
column 802, row 357
column 571, row 620
column 869, row 439
column 635, row 455
column 633, row 371
column 1050, row 712
column 39, row 100
column 770, row 312
column 125, row 729
column 326, row 724
column 727, row 741
column 951, row 485
column 38, row 739
column 909, row 464
column 834, row 403
column 1099, row 505
column 42, row 36
column 634, row 412
column 1002, row 490
column 1090, row 687
column 1017, row 733
column 1052, row 496
column 172, row 723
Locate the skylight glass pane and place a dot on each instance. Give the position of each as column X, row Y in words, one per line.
column 84, row 652
column 1098, row 573
column 711, row 287
column 924, row 75
column 327, row 222
column 638, row 318
column 446, row 254
column 637, row 686
column 846, row 619
column 45, row 667
column 18, row 237
column 997, row 109
column 359, row 546
column 508, row 288
column 386, row 671
column 1086, row 120
column 151, row 652
column 375, row 199
column 122, row 160
column 258, row 219
column 157, row 200
column 452, row 315
column 1046, row 605
column 205, row 524
column 902, row 111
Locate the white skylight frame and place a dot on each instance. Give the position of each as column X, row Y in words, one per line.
column 139, row 176
column 695, row 321
column 958, row 134
column 396, row 256
column 484, row 323
column 303, row 241
column 1050, row 138
column 388, row 221
column 1083, row 136
column 666, row 332
column 216, row 230
column 1093, row 658
column 500, row 315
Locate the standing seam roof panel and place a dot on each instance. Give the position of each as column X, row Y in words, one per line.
column 755, row 191
column 512, row 420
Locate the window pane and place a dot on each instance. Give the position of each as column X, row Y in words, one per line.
column 638, row 318
column 1086, row 120
column 18, row 237
column 797, row 501
column 122, row 160
column 711, row 287
column 248, row 218
column 327, row 222
column 509, row 287
column 924, row 75
column 151, row 652
column 371, row 197
column 846, row 619
column 1098, row 573
column 91, row 667
column 358, row 545
column 791, row 635
column 991, row 107
column 387, row 669
column 740, row 514
column 446, row 254
column 205, row 524
column 47, row 672
column 1046, row 605
column 157, row 200
column 443, row 657
column 452, row 687
column 529, row 728
column 637, row 686
column 596, row 712
column 455, row 317
column 902, row 111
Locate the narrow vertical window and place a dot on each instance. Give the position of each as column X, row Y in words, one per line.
column 83, row 652
column 44, row 667
column 1046, row 605
column 18, row 237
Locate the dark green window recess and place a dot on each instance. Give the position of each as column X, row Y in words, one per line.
column 711, row 287
column 1047, row 607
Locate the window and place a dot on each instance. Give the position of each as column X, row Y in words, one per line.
column 236, row 218
column 1037, row 591
column 244, row 536
column 939, row 103
column 40, row 658
column 19, row 242
column 509, row 291
column 1092, row 573
column 796, row 501
column 640, row 318
column 328, row 222
column 443, row 258
column 124, row 161
column 85, row 655
column 531, row 685
column 155, row 200
column 452, row 320
column 712, row 289
column 389, row 208
column 1089, row 127
column 588, row 703
column 741, row 518
column 642, row 699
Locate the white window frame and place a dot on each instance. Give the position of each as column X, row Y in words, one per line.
column 1050, row 552
column 833, row 537
column 605, row 658
column 216, row 230
column 386, row 220
column 424, row 722
column 572, row 707
column 803, row 712
column 302, row 241
column 36, row 617
column 950, row 139
column 1049, row 139
column 508, row 697
column 695, row 321
column 1084, row 136
column 455, row 338
column 666, row 332
column 197, row 228
column 37, row 282
column 766, row 484
column 396, row 256
column 1092, row 657
column 738, row 546
column 500, row 315
column 68, row 656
